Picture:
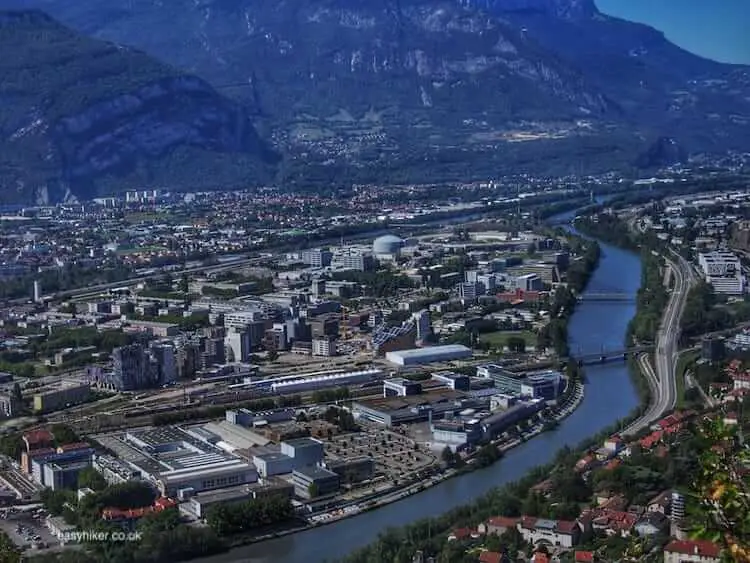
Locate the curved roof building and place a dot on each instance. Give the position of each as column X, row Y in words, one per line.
column 387, row 244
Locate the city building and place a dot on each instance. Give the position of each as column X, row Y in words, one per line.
column 59, row 476
column 529, row 282
column 37, row 291
column 692, row 551
column 163, row 366
column 422, row 322
column 304, row 451
column 455, row 381
column 9, row 405
column 273, row 463
column 468, row 292
column 400, row 387
column 302, row 383
column 325, row 347
column 546, row 384
column 723, row 270
column 353, row 259
column 352, row 470
column 556, row 533
column 420, row 356
column 131, row 369
column 60, row 395
column 317, row 257
column 391, row 338
column 457, row 435
column 238, row 344
column 313, row 482
column 178, row 462
column 248, row 418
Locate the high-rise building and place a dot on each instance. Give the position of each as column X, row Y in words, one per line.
column 317, row 257
column 677, row 516
column 467, row 292
column 422, row 322
column 324, row 347
column 238, row 345
column 37, row 291
column 131, row 369
column 163, row 362
column 723, row 271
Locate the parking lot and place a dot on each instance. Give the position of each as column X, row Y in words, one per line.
column 395, row 455
column 27, row 529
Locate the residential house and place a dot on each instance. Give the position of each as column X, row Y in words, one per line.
column 614, row 444
column 651, row 524
column 660, row 503
column 691, row 551
column 490, row 557
column 586, row 463
column 560, row 533
column 613, row 522
column 731, row 419
column 497, row 525
column 584, row 557
column 462, row 534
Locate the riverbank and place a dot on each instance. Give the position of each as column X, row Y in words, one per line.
column 365, row 505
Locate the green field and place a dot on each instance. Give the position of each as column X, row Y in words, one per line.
column 499, row 339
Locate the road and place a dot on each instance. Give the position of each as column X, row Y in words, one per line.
column 662, row 377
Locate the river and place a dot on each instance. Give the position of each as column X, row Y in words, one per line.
column 609, row 396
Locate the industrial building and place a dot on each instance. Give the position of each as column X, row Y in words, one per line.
column 547, row 384
column 496, row 424
column 273, row 463
column 723, row 270
column 178, row 462
column 302, row 383
column 351, row 470
column 247, row 418
column 60, row 395
column 393, row 411
column 199, row 504
column 457, row 435
column 400, row 387
column 313, row 482
column 304, row 451
column 420, row 356
column 388, row 338
column 455, row 381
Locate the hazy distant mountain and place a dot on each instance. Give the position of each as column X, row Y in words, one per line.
column 80, row 117
column 396, row 90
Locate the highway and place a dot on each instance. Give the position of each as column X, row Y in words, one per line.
column 662, row 378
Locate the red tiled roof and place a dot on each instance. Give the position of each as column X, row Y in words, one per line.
column 75, row 446
column 461, row 533
column 704, row 548
column 566, row 526
column 502, row 522
column 613, row 464
column 135, row 513
column 528, row 522
column 490, row 557
column 584, row 556
column 38, row 437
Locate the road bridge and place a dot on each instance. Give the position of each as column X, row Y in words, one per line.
column 605, row 356
column 607, row 296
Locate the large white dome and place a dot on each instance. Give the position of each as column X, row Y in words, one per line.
column 387, row 244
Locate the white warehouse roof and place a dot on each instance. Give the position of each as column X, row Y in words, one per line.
column 429, row 354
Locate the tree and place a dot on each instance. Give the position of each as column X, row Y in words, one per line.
column 64, row 434
column 313, row 490
column 447, row 456
column 516, row 344
column 90, row 478
column 272, row 355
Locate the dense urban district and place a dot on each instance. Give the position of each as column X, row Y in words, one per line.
column 182, row 374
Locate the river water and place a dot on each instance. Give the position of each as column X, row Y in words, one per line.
column 609, row 396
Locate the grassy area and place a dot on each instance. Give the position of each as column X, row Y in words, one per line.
column 684, row 361
column 500, row 338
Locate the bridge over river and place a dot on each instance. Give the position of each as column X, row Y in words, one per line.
column 607, row 296
column 603, row 356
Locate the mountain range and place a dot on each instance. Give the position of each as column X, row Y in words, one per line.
column 362, row 91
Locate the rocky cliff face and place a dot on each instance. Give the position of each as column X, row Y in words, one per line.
column 81, row 117
column 436, row 88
